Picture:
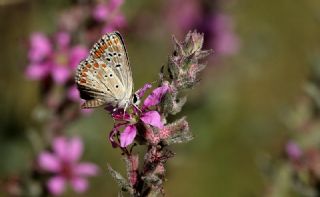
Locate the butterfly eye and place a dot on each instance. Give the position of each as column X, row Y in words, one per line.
column 135, row 99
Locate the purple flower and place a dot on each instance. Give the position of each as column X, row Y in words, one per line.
column 155, row 97
column 146, row 115
column 40, row 46
column 63, row 162
column 56, row 57
column 128, row 135
column 293, row 150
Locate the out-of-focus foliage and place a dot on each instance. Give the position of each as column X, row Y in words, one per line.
column 238, row 113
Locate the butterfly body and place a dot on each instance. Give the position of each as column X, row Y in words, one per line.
column 105, row 78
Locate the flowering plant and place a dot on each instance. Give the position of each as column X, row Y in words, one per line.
column 52, row 60
column 147, row 123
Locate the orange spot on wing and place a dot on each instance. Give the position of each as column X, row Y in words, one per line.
column 101, row 50
column 103, row 65
column 96, row 65
column 97, row 53
column 82, row 80
column 84, row 74
column 88, row 66
column 85, row 69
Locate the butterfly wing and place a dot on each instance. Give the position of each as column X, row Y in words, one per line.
column 105, row 76
column 111, row 49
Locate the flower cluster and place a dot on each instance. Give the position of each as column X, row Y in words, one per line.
column 143, row 115
column 63, row 162
column 109, row 16
column 52, row 60
column 55, row 57
column 146, row 124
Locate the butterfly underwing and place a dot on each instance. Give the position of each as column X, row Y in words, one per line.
column 104, row 77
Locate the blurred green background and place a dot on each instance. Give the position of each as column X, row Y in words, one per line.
column 236, row 113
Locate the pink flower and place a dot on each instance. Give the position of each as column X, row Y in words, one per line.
column 63, row 162
column 293, row 150
column 109, row 14
column 40, row 46
column 218, row 27
column 147, row 116
column 55, row 58
column 225, row 41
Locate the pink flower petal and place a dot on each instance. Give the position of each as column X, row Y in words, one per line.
column 75, row 149
column 49, row 162
column 293, row 150
column 77, row 54
column 60, row 74
column 226, row 42
column 152, row 118
column 114, row 4
column 86, row 169
column 40, row 46
column 142, row 90
column 156, row 95
column 108, row 28
column 56, row 185
column 60, row 147
column 128, row 135
column 73, row 94
column 79, row 184
column 86, row 112
column 100, row 12
column 37, row 71
column 63, row 39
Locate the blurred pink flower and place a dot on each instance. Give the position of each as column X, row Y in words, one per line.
column 63, row 162
column 225, row 41
column 109, row 14
column 187, row 16
column 40, row 46
column 217, row 26
column 56, row 57
column 293, row 150
column 74, row 95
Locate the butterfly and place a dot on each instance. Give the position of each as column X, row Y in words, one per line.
column 104, row 78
